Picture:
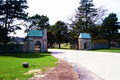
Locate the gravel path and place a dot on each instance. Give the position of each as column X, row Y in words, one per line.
column 63, row 71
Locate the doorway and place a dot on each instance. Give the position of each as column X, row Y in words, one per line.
column 85, row 45
column 37, row 47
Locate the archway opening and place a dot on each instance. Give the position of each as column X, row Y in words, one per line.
column 85, row 45
column 37, row 46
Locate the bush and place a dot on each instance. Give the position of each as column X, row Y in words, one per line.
column 11, row 42
column 100, row 41
column 22, row 43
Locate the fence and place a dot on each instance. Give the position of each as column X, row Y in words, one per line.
column 73, row 45
column 118, row 45
column 99, row 46
column 13, row 48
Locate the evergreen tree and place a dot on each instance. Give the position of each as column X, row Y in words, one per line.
column 84, row 19
column 85, row 15
column 59, row 30
column 37, row 22
column 50, row 36
column 110, row 27
column 11, row 10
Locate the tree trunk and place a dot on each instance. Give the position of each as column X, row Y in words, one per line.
column 6, row 31
column 109, row 43
column 59, row 45
column 5, row 36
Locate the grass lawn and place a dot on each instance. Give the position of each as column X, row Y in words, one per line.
column 63, row 47
column 116, row 50
column 11, row 64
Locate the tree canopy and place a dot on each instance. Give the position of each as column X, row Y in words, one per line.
column 11, row 10
column 110, row 27
column 84, row 19
column 85, row 15
column 88, row 19
column 58, row 32
column 37, row 22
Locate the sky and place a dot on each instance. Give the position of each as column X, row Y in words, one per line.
column 57, row 10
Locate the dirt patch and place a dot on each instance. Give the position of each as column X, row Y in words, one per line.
column 63, row 71
column 33, row 71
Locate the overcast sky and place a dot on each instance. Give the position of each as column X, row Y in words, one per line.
column 62, row 9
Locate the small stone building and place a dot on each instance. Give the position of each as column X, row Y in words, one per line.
column 37, row 38
column 84, row 41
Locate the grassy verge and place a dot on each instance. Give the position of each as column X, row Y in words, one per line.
column 11, row 64
column 116, row 50
column 62, row 47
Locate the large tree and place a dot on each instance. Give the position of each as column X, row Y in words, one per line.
column 37, row 22
column 59, row 30
column 86, row 19
column 50, row 36
column 10, row 11
column 83, row 20
column 110, row 27
column 86, row 13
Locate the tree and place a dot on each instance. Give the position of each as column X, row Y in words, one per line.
column 37, row 22
column 86, row 13
column 50, row 36
column 110, row 27
column 85, row 20
column 10, row 11
column 101, row 12
column 59, row 32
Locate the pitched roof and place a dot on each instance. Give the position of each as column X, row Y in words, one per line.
column 84, row 36
column 35, row 33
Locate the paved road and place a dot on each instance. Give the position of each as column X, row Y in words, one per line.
column 92, row 65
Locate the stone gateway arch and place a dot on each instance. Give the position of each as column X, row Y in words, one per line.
column 37, row 40
column 84, row 41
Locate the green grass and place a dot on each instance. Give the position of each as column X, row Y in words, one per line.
column 116, row 50
column 63, row 46
column 11, row 64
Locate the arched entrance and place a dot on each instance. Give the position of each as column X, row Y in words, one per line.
column 85, row 45
column 84, row 41
column 37, row 46
column 37, row 40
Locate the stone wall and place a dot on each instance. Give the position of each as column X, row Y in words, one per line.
column 84, row 44
column 118, row 45
column 24, row 47
column 43, row 42
column 99, row 46
column 13, row 48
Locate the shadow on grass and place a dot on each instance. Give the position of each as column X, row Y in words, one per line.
column 26, row 55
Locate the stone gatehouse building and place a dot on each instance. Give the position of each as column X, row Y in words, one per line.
column 84, row 41
column 37, row 38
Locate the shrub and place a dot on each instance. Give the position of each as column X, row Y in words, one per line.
column 100, row 41
column 11, row 42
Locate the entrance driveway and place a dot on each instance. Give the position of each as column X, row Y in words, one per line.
column 92, row 65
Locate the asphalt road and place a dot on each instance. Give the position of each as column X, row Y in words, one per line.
column 92, row 65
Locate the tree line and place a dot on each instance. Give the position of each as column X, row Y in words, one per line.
column 88, row 19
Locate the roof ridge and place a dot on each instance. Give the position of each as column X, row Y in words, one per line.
column 84, row 36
